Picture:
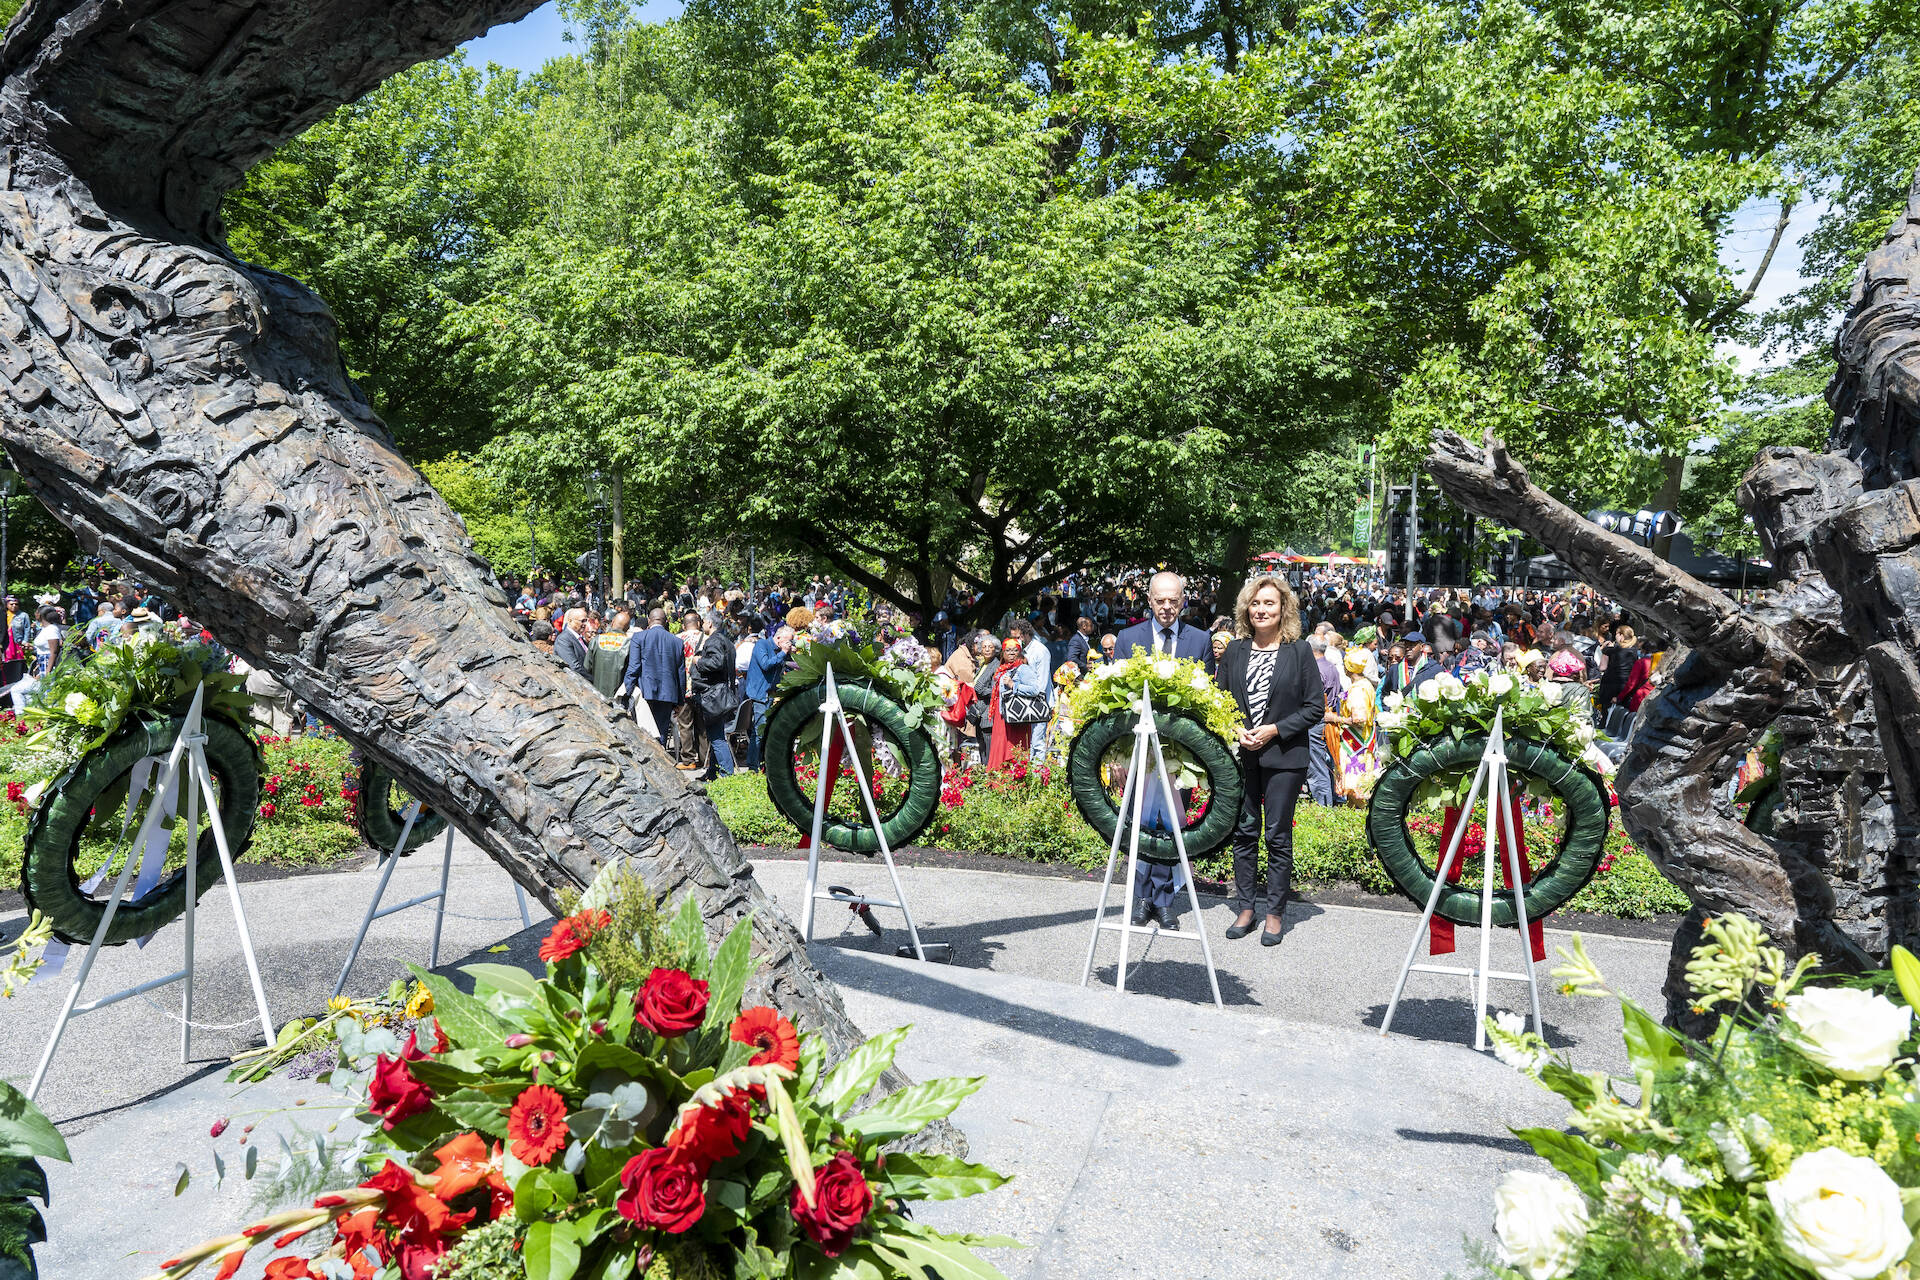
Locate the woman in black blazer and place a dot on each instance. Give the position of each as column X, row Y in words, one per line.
column 1271, row 673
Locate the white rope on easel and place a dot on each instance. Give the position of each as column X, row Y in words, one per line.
column 1490, row 776
column 1146, row 738
column 832, row 714
column 438, row 896
column 188, row 755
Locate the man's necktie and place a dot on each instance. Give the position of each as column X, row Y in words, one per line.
column 1166, row 637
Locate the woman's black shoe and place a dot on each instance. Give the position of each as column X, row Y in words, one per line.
column 1235, row 932
column 1270, row 939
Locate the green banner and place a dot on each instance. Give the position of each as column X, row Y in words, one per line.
column 1362, row 528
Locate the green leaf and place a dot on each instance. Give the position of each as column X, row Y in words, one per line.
column 949, row 1259
column 929, row 1176
column 1906, row 975
column 1650, row 1046
column 185, row 1175
column 913, row 1108
column 687, row 938
column 1570, row 1154
column 732, row 965
column 853, row 1077
column 503, row 978
column 24, row 1128
column 467, row 1022
column 472, row 1109
column 532, row 1196
column 550, row 1251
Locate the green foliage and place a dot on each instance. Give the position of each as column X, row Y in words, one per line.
column 82, row 704
column 1782, row 407
column 496, row 516
column 26, row 1138
column 1177, row 684
column 627, row 950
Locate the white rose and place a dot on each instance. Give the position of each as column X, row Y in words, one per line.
column 1452, row 690
column 1501, row 684
column 75, row 703
column 1392, row 702
column 1583, row 731
column 1201, row 681
column 1539, row 1221
column 1165, row 668
column 1839, row 1215
column 1853, row 1034
column 1553, row 691
column 1429, row 690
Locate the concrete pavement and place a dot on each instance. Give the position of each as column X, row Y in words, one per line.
column 1281, row 1137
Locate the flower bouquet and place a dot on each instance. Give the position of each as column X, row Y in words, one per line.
column 904, row 672
column 564, row 1126
column 1176, row 684
column 82, row 705
column 1788, row 1146
column 1447, row 706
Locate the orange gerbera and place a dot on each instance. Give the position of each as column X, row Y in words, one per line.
column 769, row 1033
column 537, row 1125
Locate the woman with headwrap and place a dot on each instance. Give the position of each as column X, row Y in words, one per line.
column 1014, row 675
column 1359, row 739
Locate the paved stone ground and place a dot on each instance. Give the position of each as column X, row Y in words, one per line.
column 1281, row 1137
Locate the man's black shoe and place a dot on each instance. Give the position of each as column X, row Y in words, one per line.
column 1169, row 916
column 1142, row 912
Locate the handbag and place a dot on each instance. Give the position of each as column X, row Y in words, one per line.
column 1024, row 708
column 719, row 701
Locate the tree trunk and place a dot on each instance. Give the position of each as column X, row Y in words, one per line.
column 189, row 417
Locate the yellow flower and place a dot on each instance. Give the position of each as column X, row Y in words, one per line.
column 420, row 1003
column 339, row 1004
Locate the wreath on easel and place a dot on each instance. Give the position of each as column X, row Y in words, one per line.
column 1440, row 735
column 98, row 721
column 889, row 700
column 1196, row 720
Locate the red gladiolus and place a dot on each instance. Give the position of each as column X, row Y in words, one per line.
column 671, row 1003
column 660, row 1189
column 420, row 1218
column 290, row 1269
column 219, row 1127
column 394, row 1093
column 466, row 1164
column 16, row 790
column 842, row 1200
column 707, row 1134
column 537, row 1125
column 769, row 1033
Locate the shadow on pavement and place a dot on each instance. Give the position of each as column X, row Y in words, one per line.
column 918, row 986
column 1450, row 1019
column 1513, row 1146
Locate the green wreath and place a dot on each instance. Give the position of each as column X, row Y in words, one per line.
column 380, row 822
column 99, row 780
column 789, row 721
column 1180, row 729
column 1578, row 790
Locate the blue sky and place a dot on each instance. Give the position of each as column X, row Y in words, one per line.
column 526, row 44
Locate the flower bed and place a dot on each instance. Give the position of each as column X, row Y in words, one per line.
column 1023, row 812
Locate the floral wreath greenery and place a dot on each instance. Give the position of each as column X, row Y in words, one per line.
column 1176, row 685
column 1445, row 706
column 565, row 1126
column 82, row 705
column 1789, row 1144
column 904, row 672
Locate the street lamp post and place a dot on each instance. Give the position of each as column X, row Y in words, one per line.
column 6, row 509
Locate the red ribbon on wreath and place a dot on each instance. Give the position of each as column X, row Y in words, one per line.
column 830, row 761
column 1439, row 931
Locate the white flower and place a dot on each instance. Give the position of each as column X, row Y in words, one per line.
column 1429, row 690
column 1674, row 1172
column 1165, row 668
column 1393, row 702
column 1839, row 1215
column 1501, row 685
column 1201, row 681
column 1390, row 720
column 1451, row 688
column 1511, row 1044
column 1854, row 1034
column 1539, row 1222
column 1734, row 1155
column 1584, row 732
column 75, row 703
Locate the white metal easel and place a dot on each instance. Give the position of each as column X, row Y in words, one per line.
column 439, row 896
column 1490, row 778
column 1146, row 736
column 189, row 753
column 832, row 714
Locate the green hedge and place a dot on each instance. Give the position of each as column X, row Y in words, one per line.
column 1032, row 817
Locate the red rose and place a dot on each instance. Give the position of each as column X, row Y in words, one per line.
column 707, row 1134
column 660, row 1188
column 671, row 1003
column 394, row 1092
column 841, row 1203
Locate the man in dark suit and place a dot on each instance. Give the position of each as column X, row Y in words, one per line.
column 570, row 646
column 655, row 661
column 1079, row 646
column 1156, row 886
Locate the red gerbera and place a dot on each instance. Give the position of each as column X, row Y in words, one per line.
column 571, row 933
column 769, row 1033
column 537, row 1125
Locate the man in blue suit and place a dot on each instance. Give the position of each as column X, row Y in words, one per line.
column 1156, row 886
column 655, row 661
column 765, row 669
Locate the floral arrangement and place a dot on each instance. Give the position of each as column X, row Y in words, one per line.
column 1176, row 684
column 305, row 1046
column 562, row 1126
column 1788, row 1146
column 82, row 705
column 1446, row 705
column 904, row 672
